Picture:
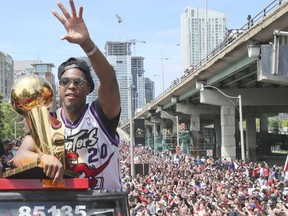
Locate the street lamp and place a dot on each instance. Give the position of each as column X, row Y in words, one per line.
column 131, row 133
column 239, row 108
column 159, row 109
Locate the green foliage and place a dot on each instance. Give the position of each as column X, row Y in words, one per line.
column 8, row 118
column 274, row 123
column 284, row 123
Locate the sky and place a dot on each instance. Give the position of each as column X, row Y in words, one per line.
column 29, row 30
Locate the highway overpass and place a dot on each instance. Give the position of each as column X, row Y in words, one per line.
column 208, row 96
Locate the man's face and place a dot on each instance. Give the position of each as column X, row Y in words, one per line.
column 72, row 95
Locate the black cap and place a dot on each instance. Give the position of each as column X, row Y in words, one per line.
column 79, row 64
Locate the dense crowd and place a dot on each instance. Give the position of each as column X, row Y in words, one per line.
column 8, row 148
column 188, row 185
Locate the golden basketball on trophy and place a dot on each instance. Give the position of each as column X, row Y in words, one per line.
column 32, row 96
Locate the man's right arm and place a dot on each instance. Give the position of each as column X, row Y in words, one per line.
column 28, row 152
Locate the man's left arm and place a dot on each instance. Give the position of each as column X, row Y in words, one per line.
column 77, row 32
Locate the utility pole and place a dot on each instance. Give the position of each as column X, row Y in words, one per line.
column 131, row 134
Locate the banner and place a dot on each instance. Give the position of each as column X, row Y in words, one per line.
column 139, row 132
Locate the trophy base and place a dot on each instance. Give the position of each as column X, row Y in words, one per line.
column 33, row 171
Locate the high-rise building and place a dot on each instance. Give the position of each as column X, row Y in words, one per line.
column 149, row 90
column 119, row 56
column 130, row 73
column 138, row 80
column 6, row 75
column 201, row 31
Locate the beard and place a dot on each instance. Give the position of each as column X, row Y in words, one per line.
column 72, row 108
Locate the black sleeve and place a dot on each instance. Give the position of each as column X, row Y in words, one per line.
column 110, row 124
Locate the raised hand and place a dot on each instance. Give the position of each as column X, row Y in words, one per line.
column 77, row 31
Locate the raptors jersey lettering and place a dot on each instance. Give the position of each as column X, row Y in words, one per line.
column 91, row 151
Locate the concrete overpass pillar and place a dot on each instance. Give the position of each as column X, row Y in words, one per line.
column 162, row 125
column 195, row 121
column 251, row 137
column 217, row 127
column 228, row 147
column 195, row 125
column 158, row 123
column 148, row 129
column 172, row 118
column 264, row 123
column 148, row 134
column 193, row 112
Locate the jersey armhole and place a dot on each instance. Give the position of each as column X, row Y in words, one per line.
column 110, row 125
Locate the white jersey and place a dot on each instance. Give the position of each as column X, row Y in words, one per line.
column 91, row 151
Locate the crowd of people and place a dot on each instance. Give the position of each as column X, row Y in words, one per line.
column 188, row 185
column 8, row 148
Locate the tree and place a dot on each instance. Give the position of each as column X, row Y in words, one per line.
column 8, row 120
column 274, row 123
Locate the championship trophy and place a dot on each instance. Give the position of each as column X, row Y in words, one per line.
column 32, row 96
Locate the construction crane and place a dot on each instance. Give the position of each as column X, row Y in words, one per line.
column 119, row 20
column 134, row 41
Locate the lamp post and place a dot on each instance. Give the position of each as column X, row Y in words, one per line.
column 131, row 133
column 240, row 115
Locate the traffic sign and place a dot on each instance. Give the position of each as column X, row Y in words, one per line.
column 209, row 152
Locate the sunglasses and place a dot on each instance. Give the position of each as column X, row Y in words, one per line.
column 66, row 81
